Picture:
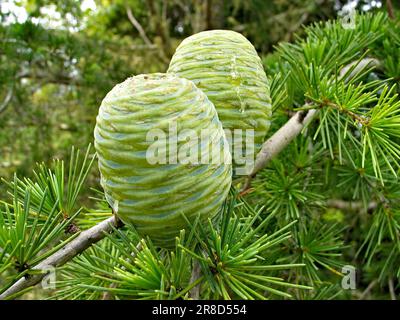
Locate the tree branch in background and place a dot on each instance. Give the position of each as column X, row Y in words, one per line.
column 350, row 205
column 138, row 27
column 274, row 145
column 7, row 100
column 65, row 254
column 356, row 67
column 108, row 295
column 286, row 134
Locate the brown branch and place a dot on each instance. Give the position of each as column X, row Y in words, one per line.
column 274, row 145
column 76, row 246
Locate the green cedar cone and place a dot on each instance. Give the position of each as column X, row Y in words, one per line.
column 153, row 196
column 225, row 65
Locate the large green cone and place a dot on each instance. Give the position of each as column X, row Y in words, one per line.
column 153, row 196
column 225, row 65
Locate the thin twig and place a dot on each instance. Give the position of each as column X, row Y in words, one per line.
column 350, row 205
column 390, row 10
column 76, row 246
column 286, row 134
column 194, row 293
column 357, row 118
column 7, row 100
column 161, row 27
column 368, row 289
column 138, row 27
column 107, row 295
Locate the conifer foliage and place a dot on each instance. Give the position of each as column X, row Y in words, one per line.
column 328, row 201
